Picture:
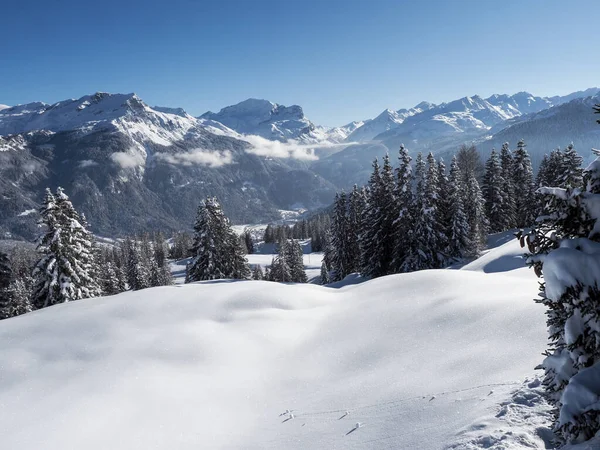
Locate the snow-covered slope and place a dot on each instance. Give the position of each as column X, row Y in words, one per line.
column 413, row 358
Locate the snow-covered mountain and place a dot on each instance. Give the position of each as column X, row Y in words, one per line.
column 385, row 121
column 268, row 120
column 132, row 167
column 113, row 150
column 545, row 130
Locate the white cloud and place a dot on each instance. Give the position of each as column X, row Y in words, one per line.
column 276, row 149
column 87, row 163
column 198, row 156
column 127, row 160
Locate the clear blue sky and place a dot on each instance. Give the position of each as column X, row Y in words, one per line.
column 341, row 60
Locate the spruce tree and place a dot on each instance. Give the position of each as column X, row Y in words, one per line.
column 564, row 246
column 378, row 222
column 508, row 203
column 356, row 207
column 257, row 273
column 525, row 200
column 475, row 213
column 571, row 173
column 493, row 193
column 280, row 269
column 404, row 209
column 325, row 279
column 419, row 255
column 341, row 256
column 436, row 242
column 295, row 259
column 459, row 236
column 64, row 273
column 217, row 252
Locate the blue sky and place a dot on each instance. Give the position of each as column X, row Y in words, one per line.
column 340, row 60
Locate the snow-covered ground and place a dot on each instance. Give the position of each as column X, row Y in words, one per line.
column 427, row 360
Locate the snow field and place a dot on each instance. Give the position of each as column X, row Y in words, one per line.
column 417, row 359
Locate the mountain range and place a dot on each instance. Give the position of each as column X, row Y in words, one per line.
column 131, row 167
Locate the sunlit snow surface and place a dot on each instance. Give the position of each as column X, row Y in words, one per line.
column 417, row 359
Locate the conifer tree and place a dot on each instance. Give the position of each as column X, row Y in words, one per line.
column 508, row 203
column 459, row 236
column 257, row 273
column 443, row 203
column 64, row 271
column 404, row 209
column 325, row 279
column 571, row 172
column 419, row 255
column 436, row 239
column 524, row 188
column 541, row 179
column 216, row 249
column 280, row 269
column 493, row 193
column 295, row 258
column 554, row 169
column 341, row 255
column 378, row 229
column 564, row 246
column 356, row 207
column 475, row 213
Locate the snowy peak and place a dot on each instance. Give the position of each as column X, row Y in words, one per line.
column 266, row 119
column 84, row 113
column 388, row 119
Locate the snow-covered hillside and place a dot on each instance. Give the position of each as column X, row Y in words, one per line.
column 416, row 359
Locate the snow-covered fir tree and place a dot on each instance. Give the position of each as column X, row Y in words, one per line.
column 325, row 279
column 404, row 209
column 341, row 258
column 435, row 215
column 216, row 250
column 571, row 172
column 356, row 206
column 493, row 193
column 524, row 186
column 422, row 252
column 475, row 213
column 508, row 203
column 459, row 232
column 280, row 268
column 64, row 272
column 378, row 222
column 564, row 247
column 257, row 273
column 295, row 258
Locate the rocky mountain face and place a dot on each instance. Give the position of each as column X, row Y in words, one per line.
column 131, row 168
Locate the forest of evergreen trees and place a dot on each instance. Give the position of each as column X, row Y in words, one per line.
column 424, row 217
column 70, row 265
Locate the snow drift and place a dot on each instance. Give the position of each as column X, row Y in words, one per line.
column 413, row 358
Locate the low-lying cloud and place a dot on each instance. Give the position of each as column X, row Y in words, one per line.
column 87, row 163
column 127, row 160
column 198, row 157
column 276, row 149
